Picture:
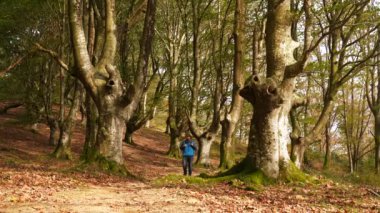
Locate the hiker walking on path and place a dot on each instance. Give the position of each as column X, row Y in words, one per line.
column 188, row 148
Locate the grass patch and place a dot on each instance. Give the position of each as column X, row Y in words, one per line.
column 175, row 179
column 246, row 180
column 243, row 177
column 370, row 178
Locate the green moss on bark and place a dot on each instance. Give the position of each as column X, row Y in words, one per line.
column 292, row 174
column 92, row 157
column 63, row 153
column 242, row 175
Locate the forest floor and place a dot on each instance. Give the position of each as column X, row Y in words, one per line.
column 32, row 181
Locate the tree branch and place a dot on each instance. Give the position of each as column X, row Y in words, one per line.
column 53, row 54
column 17, row 62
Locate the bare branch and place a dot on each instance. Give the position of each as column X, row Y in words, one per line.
column 17, row 62
column 53, row 54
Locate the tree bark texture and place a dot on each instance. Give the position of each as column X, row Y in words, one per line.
column 232, row 117
column 272, row 96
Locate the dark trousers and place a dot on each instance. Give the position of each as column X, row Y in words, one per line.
column 187, row 163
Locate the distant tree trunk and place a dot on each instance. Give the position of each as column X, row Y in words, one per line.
column 134, row 124
column 205, row 135
column 377, row 143
column 128, row 137
column 232, row 117
column 172, row 119
column 47, row 86
column 326, row 162
column 91, row 129
column 63, row 149
column 53, row 126
column 174, row 44
column 373, row 99
column 142, row 115
column 297, row 146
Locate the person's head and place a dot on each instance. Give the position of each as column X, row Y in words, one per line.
column 188, row 137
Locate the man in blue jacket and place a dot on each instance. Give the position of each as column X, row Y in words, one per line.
column 188, row 148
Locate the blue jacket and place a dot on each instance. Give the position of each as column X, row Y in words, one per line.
column 188, row 148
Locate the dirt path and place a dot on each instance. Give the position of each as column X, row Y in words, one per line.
column 31, row 181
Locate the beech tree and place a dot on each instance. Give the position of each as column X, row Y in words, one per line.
column 272, row 95
column 114, row 102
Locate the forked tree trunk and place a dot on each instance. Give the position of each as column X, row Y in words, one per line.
column 115, row 103
column 272, row 97
column 205, row 143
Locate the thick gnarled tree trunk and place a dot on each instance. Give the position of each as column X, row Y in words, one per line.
column 115, row 103
column 272, row 96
